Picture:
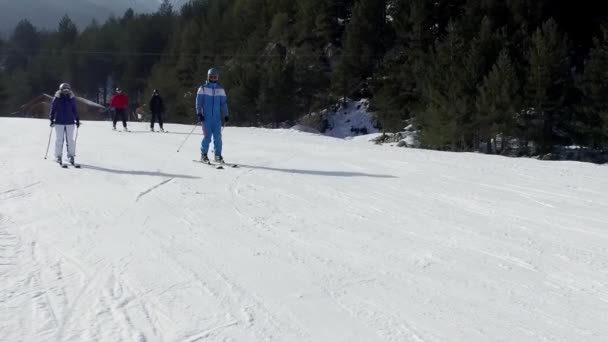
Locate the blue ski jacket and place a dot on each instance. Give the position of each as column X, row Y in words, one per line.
column 63, row 109
column 211, row 101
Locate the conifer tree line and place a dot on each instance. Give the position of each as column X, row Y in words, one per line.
column 474, row 74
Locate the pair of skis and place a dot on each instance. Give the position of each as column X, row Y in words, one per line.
column 218, row 166
column 65, row 166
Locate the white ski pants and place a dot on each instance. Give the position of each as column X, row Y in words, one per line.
column 65, row 133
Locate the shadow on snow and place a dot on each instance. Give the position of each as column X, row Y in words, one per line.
column 318, row 173
column 137, row 173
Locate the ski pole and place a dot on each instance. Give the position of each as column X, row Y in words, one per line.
column 75, row 140
column 48, row 144
column 65, row 139
column 192, row 131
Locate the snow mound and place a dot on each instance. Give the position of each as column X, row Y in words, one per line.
column 351, row 120
column 342, row 120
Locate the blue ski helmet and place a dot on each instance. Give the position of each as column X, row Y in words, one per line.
column 213, row 75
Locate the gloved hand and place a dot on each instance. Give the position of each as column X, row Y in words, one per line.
column 201, row 117
column 226, row 118
column 78, row 123
column 52, row 123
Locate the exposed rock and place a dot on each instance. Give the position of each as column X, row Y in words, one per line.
column 548, row 156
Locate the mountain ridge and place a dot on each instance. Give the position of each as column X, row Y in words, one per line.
column 47, row 14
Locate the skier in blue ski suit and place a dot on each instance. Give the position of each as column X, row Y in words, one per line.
column 212, row 112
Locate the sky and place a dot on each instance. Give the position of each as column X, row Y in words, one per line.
column 47, row 13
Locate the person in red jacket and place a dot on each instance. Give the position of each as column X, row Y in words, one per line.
column 120, row 102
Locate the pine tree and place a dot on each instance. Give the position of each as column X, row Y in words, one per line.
column 403, row 69
column 91, row 81
column 363, row 45
column 548, row 80
column 483, row 49
column 498, row 102
column 251, row 20
column 592, row 124
column 3, row 94
column 23, row 43
column 315, row 23
column 19, row 90
column 386, row 112
column 165, row 9
column 445, row 119
column 67, row 31
column 311, row 79
column 276, row 92
column 129, row 15
column 242, row 81
column 2, row 81
column 280, row 28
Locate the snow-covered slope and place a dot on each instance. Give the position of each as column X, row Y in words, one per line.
column 312, row 239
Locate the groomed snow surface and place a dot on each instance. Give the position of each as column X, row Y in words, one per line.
column 312, row 239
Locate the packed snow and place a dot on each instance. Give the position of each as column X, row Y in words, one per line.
column 311, row 239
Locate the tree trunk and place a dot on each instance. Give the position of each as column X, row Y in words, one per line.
column 488, row 144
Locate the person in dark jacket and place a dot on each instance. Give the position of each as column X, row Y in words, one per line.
column 63, row 116
column 157, row 107
column 120, row 102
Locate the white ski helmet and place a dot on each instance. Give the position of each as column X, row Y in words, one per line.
column 64, row 86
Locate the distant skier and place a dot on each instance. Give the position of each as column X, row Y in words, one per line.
column 157, row 107
column 63, row 116
column 211, row 108
column 120, row 102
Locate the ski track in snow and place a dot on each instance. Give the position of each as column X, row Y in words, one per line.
column 143, row 193
column 312, row 239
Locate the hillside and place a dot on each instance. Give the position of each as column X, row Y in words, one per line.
column 312, row 239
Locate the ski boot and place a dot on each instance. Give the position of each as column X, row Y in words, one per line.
column 58, row 160
column 113, row 128
column 219, row 159
column 73, row 162
column 204, row 158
